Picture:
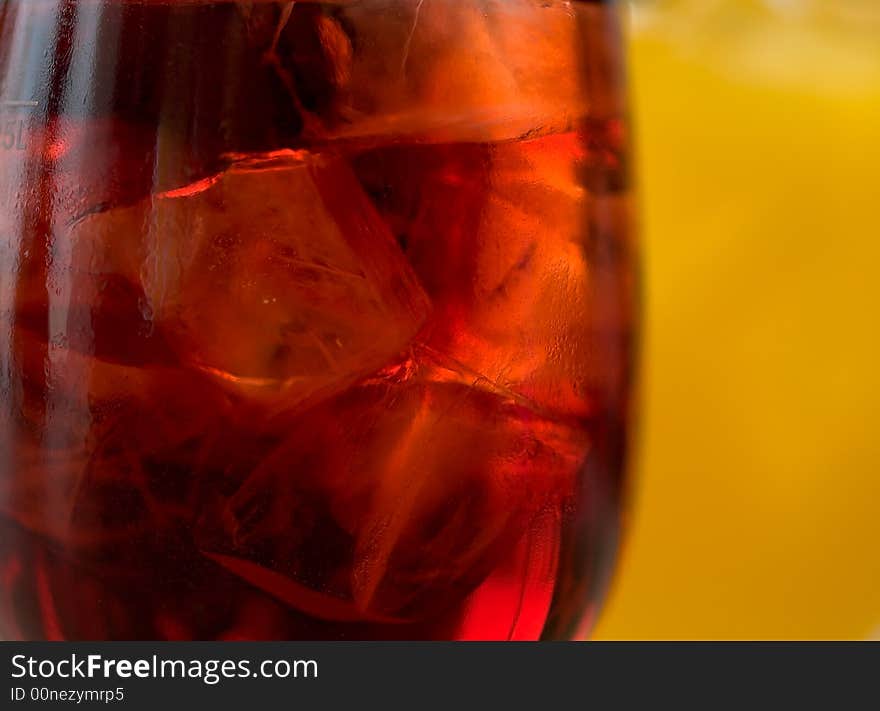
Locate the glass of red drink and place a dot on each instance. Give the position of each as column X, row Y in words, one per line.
column 316, row 318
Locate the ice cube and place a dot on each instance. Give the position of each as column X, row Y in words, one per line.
column 440, row 518
column 529, row 321
column 467, row 71
column 276, row 276
column 518, row 258
column 407, row 489
column 551, row 312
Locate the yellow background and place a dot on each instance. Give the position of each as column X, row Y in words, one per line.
column 756, row 509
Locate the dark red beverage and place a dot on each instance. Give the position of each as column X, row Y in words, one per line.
column 315, row 318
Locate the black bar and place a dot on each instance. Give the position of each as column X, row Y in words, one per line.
column 429, row 675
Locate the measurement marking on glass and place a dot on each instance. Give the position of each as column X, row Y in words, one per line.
column 12, row 127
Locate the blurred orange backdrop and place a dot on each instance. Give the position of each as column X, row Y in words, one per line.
column 756, row 509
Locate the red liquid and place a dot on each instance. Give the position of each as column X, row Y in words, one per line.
column 315, row 318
